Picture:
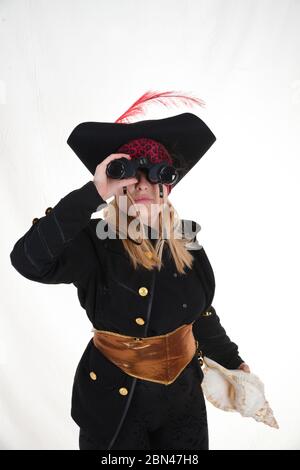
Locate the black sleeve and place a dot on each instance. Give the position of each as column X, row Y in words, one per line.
column 57, row 248
column 214, row 342
column 208, row 331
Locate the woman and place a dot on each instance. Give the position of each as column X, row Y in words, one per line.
column 147, row 295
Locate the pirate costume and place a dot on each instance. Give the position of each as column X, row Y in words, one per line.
column 138, row 382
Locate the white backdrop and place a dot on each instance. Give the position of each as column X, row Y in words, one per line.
column 66, row 61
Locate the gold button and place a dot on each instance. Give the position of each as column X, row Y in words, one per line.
column 143, row 291
column 206, row 314
column 123, row 391
column 140, row 321
column 93, row 375
column 148, row 254
column 48, row 210
column 35, row 220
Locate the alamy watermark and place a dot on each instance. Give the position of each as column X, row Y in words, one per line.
column 183, row 229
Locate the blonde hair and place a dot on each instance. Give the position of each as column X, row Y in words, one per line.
column 145, row 254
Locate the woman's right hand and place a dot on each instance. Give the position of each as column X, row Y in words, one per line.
column 106, row 186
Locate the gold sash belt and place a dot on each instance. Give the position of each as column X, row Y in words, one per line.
column 156, row 358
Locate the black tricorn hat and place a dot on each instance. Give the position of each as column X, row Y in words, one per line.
column 185, row 136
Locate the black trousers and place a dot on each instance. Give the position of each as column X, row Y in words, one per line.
column 162, row 417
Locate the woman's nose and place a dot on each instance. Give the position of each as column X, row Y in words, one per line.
column 142, row 179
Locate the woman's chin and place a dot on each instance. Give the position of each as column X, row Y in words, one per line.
column 145, row 202
column 143, row 210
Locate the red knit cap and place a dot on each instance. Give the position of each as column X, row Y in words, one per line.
column 148, row 148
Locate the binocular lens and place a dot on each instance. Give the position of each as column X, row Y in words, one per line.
column 168, row 174
column 116, row 169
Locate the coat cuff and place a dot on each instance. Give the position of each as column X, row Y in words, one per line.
column 86, row 199
column 235, row 363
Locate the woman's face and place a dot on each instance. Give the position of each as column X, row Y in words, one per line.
column 145, row 194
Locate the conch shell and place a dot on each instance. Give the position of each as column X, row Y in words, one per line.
column 236, row 390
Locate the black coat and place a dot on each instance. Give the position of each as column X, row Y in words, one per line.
column 63, row 247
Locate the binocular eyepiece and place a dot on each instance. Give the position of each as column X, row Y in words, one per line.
column 122, row 168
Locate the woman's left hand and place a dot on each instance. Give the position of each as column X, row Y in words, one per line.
column 244, row 367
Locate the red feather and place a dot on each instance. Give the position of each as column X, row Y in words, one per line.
column 166, row 98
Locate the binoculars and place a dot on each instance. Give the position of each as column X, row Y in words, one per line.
column 122, row 168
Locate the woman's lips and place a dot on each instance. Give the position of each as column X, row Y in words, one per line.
column 143, row 199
